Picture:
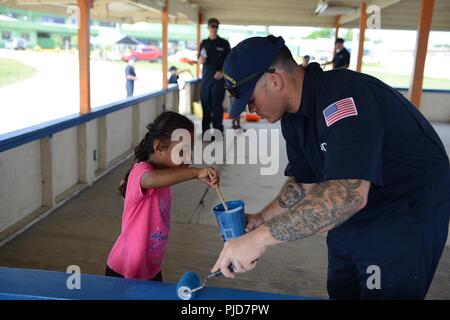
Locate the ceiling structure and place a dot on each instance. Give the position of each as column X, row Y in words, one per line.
column 395, row 14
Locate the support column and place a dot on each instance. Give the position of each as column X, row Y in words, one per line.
column 423, row 32
column 84, row 55
column 199, row 34
column 362, row 32
column 336, row 33
column 165, row 40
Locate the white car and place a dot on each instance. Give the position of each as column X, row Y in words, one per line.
column 184, row 54
column 16, row 44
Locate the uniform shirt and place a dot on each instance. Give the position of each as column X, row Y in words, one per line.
column 173, row 79
column 216, row 52
column 129, row 71
column 353, row 126
column 341, row 59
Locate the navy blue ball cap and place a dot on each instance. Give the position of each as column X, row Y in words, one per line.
column 249, row 57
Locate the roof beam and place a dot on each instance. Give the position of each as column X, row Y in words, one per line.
column 152, row 5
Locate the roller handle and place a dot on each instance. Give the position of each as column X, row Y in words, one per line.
column 219, row 273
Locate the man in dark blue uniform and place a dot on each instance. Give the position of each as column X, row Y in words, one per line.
column 364, row 165
column 341, row 59
column 130, row 75
column 213, row 52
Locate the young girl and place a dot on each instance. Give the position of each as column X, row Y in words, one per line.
column 138, row 252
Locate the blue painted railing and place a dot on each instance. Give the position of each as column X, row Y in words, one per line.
column 427, row 90
column 19, row 137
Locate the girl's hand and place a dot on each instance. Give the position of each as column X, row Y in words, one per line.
column 210, row 176
column 253, row 221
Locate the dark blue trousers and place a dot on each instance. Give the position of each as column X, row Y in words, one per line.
column 404, row 238
column 212, row 93
column 130, row 88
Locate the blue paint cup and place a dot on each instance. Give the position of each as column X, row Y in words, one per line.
column 231, row 222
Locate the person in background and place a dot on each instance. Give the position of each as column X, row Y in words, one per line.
column 341, row 59
column 305, row 62
column 175, row 74
column 213, row 52
column 130, row 75
column 173, row 79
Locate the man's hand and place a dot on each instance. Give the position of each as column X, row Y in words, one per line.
column 218, row 75
column 201, row 60
column 243, row 252
column 254, row 221
column 210, row 176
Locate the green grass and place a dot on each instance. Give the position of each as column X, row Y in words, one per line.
column 12, row 71
column 403, row 81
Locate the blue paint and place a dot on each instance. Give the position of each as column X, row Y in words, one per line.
column 25, row 284
column 232, row 221
column 189, row 281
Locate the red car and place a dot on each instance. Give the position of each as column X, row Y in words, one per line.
column 147, row 53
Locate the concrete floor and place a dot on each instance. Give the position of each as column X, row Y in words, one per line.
column 83, row 231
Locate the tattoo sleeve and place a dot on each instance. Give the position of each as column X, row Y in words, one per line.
column 326, row 206
column 291, row 194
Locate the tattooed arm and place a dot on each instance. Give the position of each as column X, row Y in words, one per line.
column 325, row 207
column 290, row 195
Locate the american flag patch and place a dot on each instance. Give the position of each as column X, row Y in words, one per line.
column 339, row 110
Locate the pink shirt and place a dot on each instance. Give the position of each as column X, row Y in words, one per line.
column 138, row 252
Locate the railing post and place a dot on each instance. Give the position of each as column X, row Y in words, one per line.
column 47, row 173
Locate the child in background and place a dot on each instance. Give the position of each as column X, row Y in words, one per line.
column 175, row 74
column 173, row 79
column 139, row 251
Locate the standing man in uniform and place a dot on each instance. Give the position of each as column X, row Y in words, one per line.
column 130, row 75
column 213, row 52
column 341, row 59
column 364, row 165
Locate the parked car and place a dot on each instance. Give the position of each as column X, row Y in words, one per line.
column 146, row 53
column 16, row 44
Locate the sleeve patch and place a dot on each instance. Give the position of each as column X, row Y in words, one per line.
column 339, row 110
